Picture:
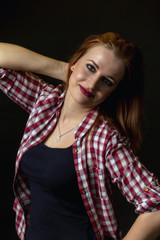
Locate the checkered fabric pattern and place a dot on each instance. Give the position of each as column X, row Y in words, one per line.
column 100, row 162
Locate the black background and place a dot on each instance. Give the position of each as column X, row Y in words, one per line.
column 56, row 29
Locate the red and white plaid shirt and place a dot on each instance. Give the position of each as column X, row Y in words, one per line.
column 105, row 160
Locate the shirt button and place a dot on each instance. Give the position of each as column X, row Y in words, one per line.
column 77, row 172
column 91, row 213
column 98, row 235
column 76, row 150
column 83, row 191
column 146, row 189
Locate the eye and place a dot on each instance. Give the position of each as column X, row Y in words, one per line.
column 91, row 68
column 108, row 82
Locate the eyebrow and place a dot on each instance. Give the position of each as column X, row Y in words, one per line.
column 107, row 75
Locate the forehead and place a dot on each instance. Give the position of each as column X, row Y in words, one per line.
column 106, row 60
column 101, row 52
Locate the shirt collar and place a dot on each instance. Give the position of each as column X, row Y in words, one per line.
column 86, row 123
column 61, row 100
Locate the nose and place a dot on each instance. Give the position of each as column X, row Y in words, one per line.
column 92, row 83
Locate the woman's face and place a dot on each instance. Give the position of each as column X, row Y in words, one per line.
column 95, row 76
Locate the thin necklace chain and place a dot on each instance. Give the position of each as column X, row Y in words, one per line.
column 60, row 135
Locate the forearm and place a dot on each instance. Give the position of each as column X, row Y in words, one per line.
column 146, row 227
column 22, row 59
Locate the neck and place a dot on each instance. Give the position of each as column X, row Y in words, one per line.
column 73, row 112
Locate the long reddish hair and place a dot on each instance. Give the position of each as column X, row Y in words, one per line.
column 124, row 107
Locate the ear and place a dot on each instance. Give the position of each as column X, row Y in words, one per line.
column 72, row 67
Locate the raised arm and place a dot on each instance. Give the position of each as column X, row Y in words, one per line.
column 21, row 59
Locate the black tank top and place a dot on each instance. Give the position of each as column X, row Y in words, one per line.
column 57, row 209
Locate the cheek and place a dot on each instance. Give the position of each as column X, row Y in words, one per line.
column 102, row 95
column 74, row 79
column 105, row 92
column 78, row 76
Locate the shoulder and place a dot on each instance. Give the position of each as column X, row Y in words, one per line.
column 53, row 91
column 111, row 134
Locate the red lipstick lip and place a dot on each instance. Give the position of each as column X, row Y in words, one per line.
column 85, row 92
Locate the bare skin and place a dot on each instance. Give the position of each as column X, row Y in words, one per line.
column 99, row 72
column 22, row 59
column 146, row 227
column 77, row 106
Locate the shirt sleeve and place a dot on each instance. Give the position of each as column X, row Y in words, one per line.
column 135, row 182
column 23, row 88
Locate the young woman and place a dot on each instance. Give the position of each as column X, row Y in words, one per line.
column 80, row 140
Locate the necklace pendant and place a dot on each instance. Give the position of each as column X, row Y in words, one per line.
column 58, row 139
